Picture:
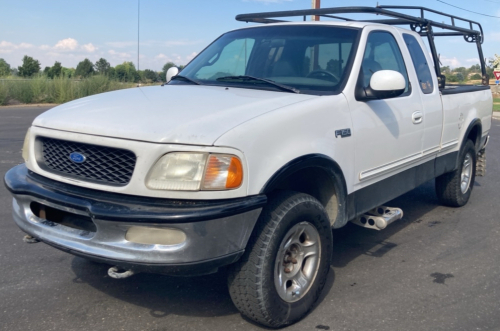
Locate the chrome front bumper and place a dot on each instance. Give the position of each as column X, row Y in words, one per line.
column 216, row 232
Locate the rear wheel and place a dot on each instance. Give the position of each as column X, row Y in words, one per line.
column 454, row 188
column 284, row 268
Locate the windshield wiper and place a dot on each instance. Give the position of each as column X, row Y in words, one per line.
column 271, row 82
column 186, row 79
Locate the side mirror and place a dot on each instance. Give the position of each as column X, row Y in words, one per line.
column 384, row 84
column 171, row 72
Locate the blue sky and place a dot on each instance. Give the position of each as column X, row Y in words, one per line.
column 69, row 31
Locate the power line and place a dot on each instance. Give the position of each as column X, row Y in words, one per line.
column 468, row 10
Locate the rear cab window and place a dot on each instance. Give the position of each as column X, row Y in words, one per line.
column 420, row 63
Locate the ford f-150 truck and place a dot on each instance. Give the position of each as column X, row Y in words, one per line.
column 271, row 137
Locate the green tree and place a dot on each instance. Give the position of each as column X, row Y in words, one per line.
column 151, row 76
column 68, row 72
column 475, row 68
column 55, row 70
column 461, row 70
column 84, row 68
column 4, row 68
column 445, row 70
column 489, row 68
column 102, row 66
column 112, row 73
column 29, row 68
column 126, row 72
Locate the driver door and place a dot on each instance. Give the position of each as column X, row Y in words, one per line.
column 388, row 141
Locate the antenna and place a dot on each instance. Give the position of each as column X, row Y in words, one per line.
column 138, row 16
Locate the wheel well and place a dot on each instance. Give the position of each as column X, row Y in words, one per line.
column 475, row 135
column 316, row 182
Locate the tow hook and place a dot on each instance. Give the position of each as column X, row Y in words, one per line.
column 30, row 240
column 118, row 273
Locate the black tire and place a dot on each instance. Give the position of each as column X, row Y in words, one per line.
column 448, row 185
column 252, row 279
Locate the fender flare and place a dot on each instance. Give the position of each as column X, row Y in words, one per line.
column 314, row 161
column 475, row 122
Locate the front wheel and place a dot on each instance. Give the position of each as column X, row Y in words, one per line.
column 454, row 189
column 286, row 263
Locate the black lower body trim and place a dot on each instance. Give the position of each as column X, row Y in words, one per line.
column 367, row 198
column 125, row 208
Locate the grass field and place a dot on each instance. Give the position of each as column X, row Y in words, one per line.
column 58, row 90
column 496, row 104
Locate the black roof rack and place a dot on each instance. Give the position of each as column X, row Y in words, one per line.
column 420, row 24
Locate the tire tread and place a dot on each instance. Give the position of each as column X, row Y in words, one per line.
column 246, row 281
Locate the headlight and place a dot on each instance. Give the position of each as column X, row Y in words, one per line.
column 26, row 146
column 195, row 171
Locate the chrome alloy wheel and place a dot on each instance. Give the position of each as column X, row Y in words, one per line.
column 465, row 178
column 297, row 262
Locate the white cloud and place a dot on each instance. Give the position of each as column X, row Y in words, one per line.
column 453, row 62
column 494, row 36
column 473, row 60
column 191, row 56
column 24, row 45
column 120, row 55
column 161, row 56
column 66, row 44
column 69, row 51
column 121, row 44
column 168, row 43
column 89, row 48
column 8, row 47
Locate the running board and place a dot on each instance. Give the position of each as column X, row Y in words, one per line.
column 379, row 218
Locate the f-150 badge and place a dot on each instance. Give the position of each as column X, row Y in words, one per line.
column 343, row 133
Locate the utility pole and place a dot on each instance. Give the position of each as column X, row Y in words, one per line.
column 315, row 4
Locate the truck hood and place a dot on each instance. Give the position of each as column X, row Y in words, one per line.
column 184, row 114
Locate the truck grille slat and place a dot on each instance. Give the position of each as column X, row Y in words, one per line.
column 103, row 165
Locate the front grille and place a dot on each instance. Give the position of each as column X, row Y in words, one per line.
column 103, row 165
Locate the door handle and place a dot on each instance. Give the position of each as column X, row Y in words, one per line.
column 417, row 117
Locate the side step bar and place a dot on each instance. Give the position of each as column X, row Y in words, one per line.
column 379, row 218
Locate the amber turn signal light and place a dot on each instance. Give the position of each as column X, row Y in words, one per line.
column 222, row 172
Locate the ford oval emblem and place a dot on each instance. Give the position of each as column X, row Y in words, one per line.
column 77, row 157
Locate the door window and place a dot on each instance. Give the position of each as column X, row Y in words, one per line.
column 382, row 53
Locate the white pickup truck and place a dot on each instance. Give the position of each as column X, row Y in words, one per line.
column 269, row 138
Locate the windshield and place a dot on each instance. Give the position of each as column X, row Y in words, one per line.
column 311, row 59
